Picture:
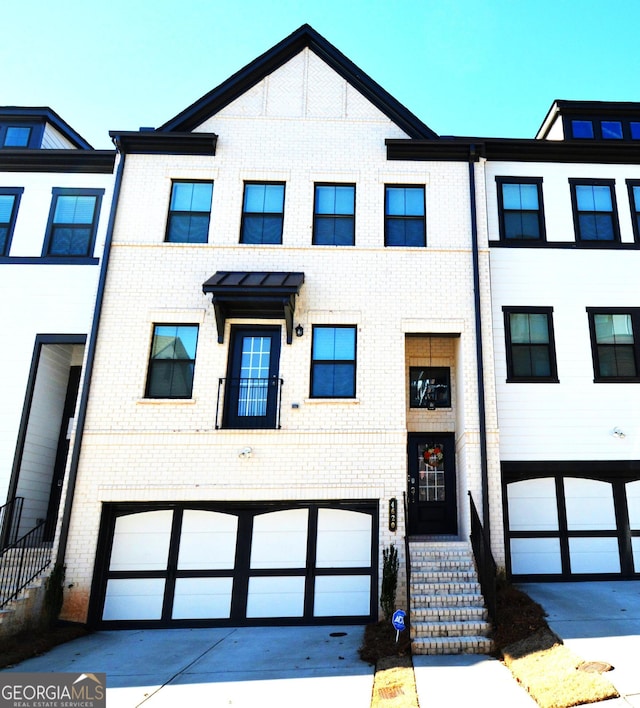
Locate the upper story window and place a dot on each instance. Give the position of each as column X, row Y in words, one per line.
column 530, row 345
column 262, row 212
column 404, row 216
column 634, row 198
column 333, row 362
column 594, row 210
column 73, row 221
column 334, row 215
column 614, row 343
column 172, row 361
column 611, row 129
column 16, row 136
column 189, row 211
column 604, row 129
column 9, row 201
column 520, row 209
column 582, row 129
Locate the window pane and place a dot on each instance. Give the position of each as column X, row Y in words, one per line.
column 520, row 196
column 635, row 130
column 330, row 231
column 613, row 329
column 74, row 210
column 331, row 343
column 17, row 136
column 188, row 228
column 345, row 198
column 274, row 198
column 531, row 361
column 611, row 129
column 538, row 328
column 263, row 198
column 582, row 128
column 4, row 233
column 405, row 232
column 404, row 201
column 414, row 200
column 68, row 241
column 6, row 207
column 636, row 198
column 616, row 360
column 596, row 227
column 602, row 198
column 333, row 380
column 186, row 196
column 521, row 225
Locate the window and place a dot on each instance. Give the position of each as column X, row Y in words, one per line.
column 172, row 362
column 530, row 346
column 520, row 208
column 189, row 210
column 635, row 130
column 611, row 129
column 582, row 129
column 614, row 344
column 16, row 136
column 262, row 213
column 594, row 210
column 333, row 362
column 73, row 221
column 634, row 198
column 404, row 223
column 9, row 201
column 333, row 215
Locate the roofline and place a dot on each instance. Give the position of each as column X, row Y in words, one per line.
column 50, row 116
column 513, row 150
column 152, row 143
column 564, row 107
column 75, row 161
column 274, row 58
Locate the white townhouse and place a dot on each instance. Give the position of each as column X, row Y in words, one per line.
column 288, row 349
column 563, row 215
column 55, row 195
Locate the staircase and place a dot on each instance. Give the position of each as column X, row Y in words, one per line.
column 448, row 614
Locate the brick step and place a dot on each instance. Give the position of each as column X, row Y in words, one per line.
column 443, row 564
column 452, row 645
column 419, row 600
column 448, row 614
column 440, row 551
column 468, row 628
column 443, row 576
column 445, row 588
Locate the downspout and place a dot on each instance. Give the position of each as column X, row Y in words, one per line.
column 484, row 470
column 91, row 354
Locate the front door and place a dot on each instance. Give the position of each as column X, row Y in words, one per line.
column 432, row 484
column 252, row 387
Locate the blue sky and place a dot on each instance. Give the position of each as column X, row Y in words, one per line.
column 464, row 67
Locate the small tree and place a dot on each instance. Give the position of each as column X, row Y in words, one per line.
column 389, row 581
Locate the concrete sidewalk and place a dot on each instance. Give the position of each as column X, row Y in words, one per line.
column 244, row 667
column 598, row 621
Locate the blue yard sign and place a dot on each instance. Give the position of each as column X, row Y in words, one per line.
column 398, row 622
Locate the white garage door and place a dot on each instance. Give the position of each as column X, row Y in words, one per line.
column 312, row 563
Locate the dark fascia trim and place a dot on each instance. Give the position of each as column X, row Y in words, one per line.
column 49, row 260
column 154, row 143
column 514, row 150
column 76, row 161
column 305, row 36
column 513, row 471
column 50, row 116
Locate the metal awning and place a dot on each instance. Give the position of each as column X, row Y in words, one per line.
column 252, row 294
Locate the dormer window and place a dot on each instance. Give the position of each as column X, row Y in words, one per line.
column 582, row 129
column 16, row 135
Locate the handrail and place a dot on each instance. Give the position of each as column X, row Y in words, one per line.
column 10, row 517
column 23, row 561
column 407, row 556
column 485, row 562
column 255, row 400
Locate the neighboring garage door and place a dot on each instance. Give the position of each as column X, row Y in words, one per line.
column 236, row 564
column 572, row 520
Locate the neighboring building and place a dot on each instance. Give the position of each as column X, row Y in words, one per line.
column 287, row 346
column 55, row 195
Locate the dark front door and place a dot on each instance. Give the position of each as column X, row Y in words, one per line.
column 252, row 388
column 432, row 484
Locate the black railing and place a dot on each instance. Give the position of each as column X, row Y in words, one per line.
column 23, row 561
column 10, row 517
column 407, row 555
column 485, row 563
column 249, row 403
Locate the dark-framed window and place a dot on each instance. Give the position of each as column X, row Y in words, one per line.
column 530, row 346
column 334, row 215
column 404, row 216
column 429, row 387
column 595, row 213
column 611, row 129
column 520, row 208
column 634, row 200
column 73, row 221
column 172, row 361
column 333, row 361
column 262, row 212
column 582, row 129
column 614, row 343
column 16, row 136
column 9, row 202
column 189, row 210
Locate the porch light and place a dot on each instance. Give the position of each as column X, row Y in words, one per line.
column 299, row 331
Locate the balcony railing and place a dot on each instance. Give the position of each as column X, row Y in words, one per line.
column 249, row 403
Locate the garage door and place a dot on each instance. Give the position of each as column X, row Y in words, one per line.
column 572, row 520
column 231, row 564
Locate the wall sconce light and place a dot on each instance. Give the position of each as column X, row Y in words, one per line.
column 299, row 331
column 617, row 433
column 431, row 405
column 245, row 453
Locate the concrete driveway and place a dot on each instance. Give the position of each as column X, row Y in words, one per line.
column 598, row 621
column 243, row 667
